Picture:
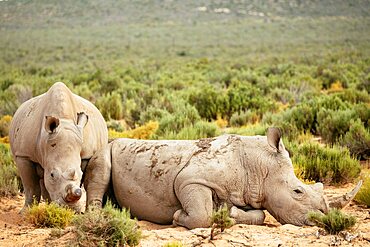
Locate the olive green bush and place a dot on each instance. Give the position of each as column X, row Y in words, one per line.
column 363, row 196
column 243, row 118
column 330, row 165
column 49, row 215
column 334, row 221
column 10, row 183
column 357, row 140
column 106, row 227
column 110, row 106
column 201, row 129
column 4, row 125
column 332, row 125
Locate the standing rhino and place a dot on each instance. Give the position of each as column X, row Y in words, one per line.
column 51, row 137
column 184, row 181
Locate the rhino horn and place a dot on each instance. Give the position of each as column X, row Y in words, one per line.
column 51, row 124
column 344, row 200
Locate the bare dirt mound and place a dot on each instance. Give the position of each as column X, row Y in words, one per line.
column 15, row 231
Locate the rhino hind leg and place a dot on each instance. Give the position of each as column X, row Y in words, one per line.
column 197, row 206
column 30, row 180
column 250, row 217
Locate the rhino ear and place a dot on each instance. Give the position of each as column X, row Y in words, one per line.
column 82, row 119
column 51, row 124
column 273, row 137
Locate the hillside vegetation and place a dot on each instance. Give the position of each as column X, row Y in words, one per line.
column 193, row 69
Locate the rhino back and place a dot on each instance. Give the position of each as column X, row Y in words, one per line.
column 24, row 128
column 143, row 174
column 28, row 122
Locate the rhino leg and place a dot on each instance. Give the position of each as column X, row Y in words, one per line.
column 30, row 180
column 250, row 217
column 44, row 193
column 98, row 177
column 197, row 206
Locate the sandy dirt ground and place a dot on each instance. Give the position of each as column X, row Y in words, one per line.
column 15, row 231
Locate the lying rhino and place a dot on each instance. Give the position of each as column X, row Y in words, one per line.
column 183, row 181
column 50, row 135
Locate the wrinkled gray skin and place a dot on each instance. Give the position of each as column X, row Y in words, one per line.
column 181, row 182
column 52, row 136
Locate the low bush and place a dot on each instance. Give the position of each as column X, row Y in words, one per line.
column 180, row 117
column 143, row 132
column 363, row 196
column 106, row 227
column 249, row 130
column 332, row 125
column 243, row 118
column 201, row 129
column 49, row 215
column 110, row 106
column 357, row 140
column 220, row 219
column 333, row 222
column 4, row 125
column 331, row 165
column 10, row 183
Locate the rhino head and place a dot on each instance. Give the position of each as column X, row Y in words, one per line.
column 61, row 159
column 285, row 196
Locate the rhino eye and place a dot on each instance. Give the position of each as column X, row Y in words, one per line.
column 299, row 191
column 52, row 174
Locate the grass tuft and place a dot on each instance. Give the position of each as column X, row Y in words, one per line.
column 49, row 215
column 220, row 219
column 108, row 227
column 333, row 222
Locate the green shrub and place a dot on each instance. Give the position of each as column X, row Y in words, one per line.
column 333, row 165
column 220, row 219
column 363, row 196
column 243, row 118
column 354, row 96
column 180, row 117
column 249, row 130
column 107, row 227
column 357, row 140
column 49, row 215
column 110, row 106
column 282, row 95
column 333, row 222
column 362, row 111
column 332, row 125
column 10, row 183
column 208, row 101
column 200, row 129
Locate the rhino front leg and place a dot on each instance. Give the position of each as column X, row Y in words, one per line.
column 30, row 180
column 98, row 177
column 40, row 173
column 250, row 217
column 197, row 206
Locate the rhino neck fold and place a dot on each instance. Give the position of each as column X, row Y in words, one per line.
column 256, row 174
